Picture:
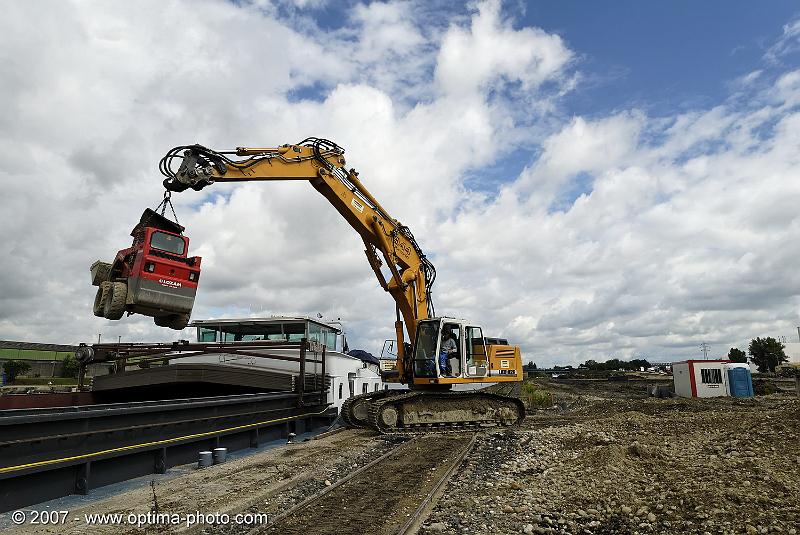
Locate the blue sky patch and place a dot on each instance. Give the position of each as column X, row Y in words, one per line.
column 580, row 184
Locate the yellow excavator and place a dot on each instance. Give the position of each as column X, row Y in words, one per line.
column 442, row 354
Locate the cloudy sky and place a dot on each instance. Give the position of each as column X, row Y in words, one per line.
column 592, row 180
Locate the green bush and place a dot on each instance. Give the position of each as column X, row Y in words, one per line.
column 15, row 368
column 70, row 367
column 534, row 398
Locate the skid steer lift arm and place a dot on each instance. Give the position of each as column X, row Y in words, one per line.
column 321, row 162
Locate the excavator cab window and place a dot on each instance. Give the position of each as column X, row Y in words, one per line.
column 476, row 353
column 425, row 349
column 454, row 361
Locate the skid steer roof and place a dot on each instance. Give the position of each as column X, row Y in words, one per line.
column 151, row 218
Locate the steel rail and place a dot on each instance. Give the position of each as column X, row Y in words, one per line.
column 17, row 416
column 412, row 525
column 103, row 430
column 415, row 518
column 316, row 497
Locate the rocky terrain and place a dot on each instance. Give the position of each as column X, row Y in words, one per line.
column 605, row 459
column 614, row 465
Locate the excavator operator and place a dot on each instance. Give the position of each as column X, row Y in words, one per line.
column 448, row 348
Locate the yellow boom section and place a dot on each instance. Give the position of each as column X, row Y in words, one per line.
column 321, row 162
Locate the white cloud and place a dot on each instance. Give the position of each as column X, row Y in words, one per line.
column 491, row 53
column 387, row 28
column 685, row 233
column 104, row 90
column 788, row 43
column 580, row 147
column 628, row 233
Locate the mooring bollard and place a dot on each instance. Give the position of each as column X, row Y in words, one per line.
column 290, row 439
column 204, row 459
column 220, row 454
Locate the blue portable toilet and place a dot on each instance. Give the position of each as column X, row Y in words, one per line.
column 740, row 382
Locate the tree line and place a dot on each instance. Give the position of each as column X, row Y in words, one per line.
column 766, row 353
column 15, row 368
column 616, row 364
column 609, row 365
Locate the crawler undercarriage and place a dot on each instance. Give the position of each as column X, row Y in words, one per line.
column 415, row 411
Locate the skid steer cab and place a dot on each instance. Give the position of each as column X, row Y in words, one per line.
column 153, row 277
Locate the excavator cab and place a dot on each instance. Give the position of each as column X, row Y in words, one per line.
column 473, row 360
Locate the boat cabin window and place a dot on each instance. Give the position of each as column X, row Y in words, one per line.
column 291, row 331
column 322, row 335
column 206, row 335
column 294, row 332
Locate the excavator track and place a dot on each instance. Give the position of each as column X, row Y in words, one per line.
column 419, row 412
column 355, row 410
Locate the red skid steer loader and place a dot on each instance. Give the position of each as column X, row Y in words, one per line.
column 153, row 277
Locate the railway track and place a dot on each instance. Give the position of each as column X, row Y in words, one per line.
column 390, row 495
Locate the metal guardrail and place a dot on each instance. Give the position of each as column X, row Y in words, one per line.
column 163, row 353
column 48, row 453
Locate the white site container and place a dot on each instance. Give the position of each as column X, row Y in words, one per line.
column 792, row 352
column 701, row 378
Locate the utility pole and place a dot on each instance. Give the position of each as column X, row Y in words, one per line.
column 704, row 347
column 98, row 337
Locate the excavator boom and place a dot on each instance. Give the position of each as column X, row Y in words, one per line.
column 438, row 359
column 321, row 162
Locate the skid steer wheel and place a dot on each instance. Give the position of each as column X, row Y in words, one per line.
column 115, row 301
column 100, row 299
column 162, row 321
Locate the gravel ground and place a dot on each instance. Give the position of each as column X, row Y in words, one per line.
column 605, row 460
column 614, row 465
column 266, row 482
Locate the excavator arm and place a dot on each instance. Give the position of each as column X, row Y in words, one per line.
column 321, row 162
